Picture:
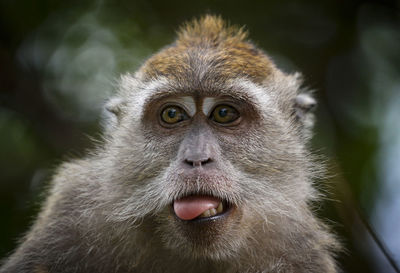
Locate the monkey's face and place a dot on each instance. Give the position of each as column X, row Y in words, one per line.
column 208, row 152
column 209, row 167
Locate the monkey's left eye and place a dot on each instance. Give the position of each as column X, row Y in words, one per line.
column 224, row 114
column 173, row 114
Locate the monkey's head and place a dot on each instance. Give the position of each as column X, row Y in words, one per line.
column 207, row 149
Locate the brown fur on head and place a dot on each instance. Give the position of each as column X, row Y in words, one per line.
column 114, row 210
column 210, row 43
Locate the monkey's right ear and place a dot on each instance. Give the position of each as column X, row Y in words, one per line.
column 304, row 104
column 112, row 112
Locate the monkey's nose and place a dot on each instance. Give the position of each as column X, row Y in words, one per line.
column 197, row 162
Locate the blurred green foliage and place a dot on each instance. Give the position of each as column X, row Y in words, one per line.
column 59, row 61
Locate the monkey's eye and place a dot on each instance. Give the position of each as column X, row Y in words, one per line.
column 173, row 114
column 224, row 114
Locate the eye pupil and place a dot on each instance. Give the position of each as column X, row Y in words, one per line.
column 223, row 112
column 171, row 113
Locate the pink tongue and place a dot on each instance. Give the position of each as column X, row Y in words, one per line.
column 190, row 207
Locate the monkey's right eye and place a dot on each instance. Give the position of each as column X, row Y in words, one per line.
column 173, row 114
column 224, row 114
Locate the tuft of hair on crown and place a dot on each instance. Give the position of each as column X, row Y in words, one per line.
column 210, row 42
column 210, row 29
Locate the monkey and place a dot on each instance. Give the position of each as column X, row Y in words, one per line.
column 204, row 166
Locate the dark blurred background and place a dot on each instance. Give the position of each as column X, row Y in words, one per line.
column 59, row 59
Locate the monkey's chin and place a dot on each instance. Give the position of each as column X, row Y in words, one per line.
column 213, row 237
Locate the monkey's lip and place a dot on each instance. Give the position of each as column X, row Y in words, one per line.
column 218, row 209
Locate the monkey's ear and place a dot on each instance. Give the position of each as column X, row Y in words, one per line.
column 304, row 106
column 112, row 112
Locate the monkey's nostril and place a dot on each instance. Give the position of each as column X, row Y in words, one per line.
column 197, row 163
column 208, row 160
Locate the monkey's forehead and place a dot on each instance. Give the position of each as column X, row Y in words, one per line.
column 201, row 62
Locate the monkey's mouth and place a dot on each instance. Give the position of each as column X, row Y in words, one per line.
column 200, row 208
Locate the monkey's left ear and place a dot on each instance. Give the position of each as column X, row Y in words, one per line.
column 112, row 113
column 304, row 104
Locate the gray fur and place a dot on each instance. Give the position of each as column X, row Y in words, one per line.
column 109, row 212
